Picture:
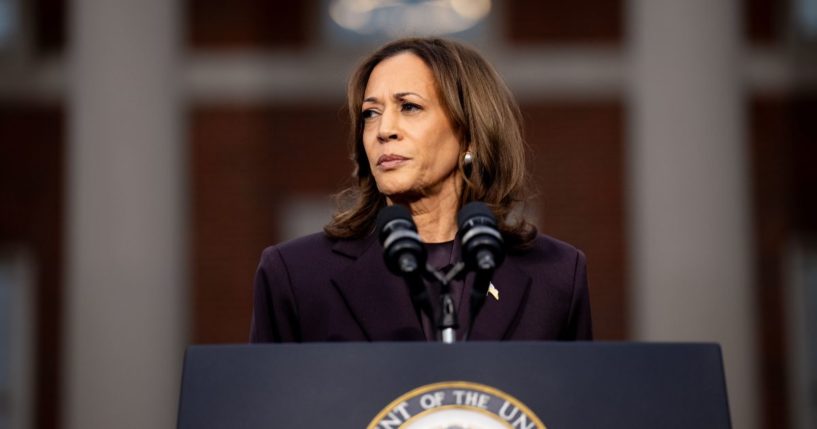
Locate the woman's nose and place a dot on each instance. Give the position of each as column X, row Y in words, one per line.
column 389, row 129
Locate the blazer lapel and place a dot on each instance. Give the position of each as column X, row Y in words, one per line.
column 496, row 318
column 379, row 300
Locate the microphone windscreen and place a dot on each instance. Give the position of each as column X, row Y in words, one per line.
column 390, row 213
column 474, row 209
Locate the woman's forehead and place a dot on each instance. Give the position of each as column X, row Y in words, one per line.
column 404, row 73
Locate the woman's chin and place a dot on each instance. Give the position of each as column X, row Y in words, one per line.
column 394, row 189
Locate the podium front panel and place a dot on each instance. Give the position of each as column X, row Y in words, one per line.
column 346, row 385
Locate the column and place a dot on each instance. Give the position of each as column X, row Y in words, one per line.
column 125, row 245
column 689, row 183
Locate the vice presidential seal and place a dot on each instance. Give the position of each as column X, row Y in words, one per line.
column 456, row 405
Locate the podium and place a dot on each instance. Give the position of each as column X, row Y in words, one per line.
column 553, row 385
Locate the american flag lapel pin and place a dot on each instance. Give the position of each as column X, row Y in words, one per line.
column 493, row 291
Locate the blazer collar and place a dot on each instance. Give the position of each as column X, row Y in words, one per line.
column 497, row 317
column 381, row 303
column 354, row 248
column 378, row 299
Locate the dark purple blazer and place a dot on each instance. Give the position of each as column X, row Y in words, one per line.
column 319, row 289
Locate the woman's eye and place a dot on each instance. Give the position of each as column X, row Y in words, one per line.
column 368, row 114
column 410, row 107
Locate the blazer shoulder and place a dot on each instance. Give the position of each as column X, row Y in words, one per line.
column 307, row 247
column 303, row 254
column 549, row 248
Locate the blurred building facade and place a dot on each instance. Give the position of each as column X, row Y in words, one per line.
column 165, row 144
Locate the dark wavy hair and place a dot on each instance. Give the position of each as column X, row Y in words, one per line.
column 485, row 116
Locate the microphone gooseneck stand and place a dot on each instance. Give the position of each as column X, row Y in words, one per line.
column 447, row 323
column 482, row 281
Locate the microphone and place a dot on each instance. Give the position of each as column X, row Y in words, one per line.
column 482, row 250
column 482, row 245
column 404, row 253
column 402, row 249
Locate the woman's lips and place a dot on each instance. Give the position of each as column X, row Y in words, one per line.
column 389, row 162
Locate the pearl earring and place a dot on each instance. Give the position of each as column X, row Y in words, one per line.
column 467, row 159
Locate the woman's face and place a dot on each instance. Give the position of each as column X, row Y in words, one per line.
column 409, row 141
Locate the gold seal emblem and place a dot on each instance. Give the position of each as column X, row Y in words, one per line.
column 456, row 405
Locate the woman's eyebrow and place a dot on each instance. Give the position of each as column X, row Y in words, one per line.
column 396, row 96
column 400, row 95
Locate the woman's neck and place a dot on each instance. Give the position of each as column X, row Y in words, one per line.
column 435, row 216
column 435, row 220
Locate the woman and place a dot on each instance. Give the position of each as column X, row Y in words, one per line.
column 434, row 128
